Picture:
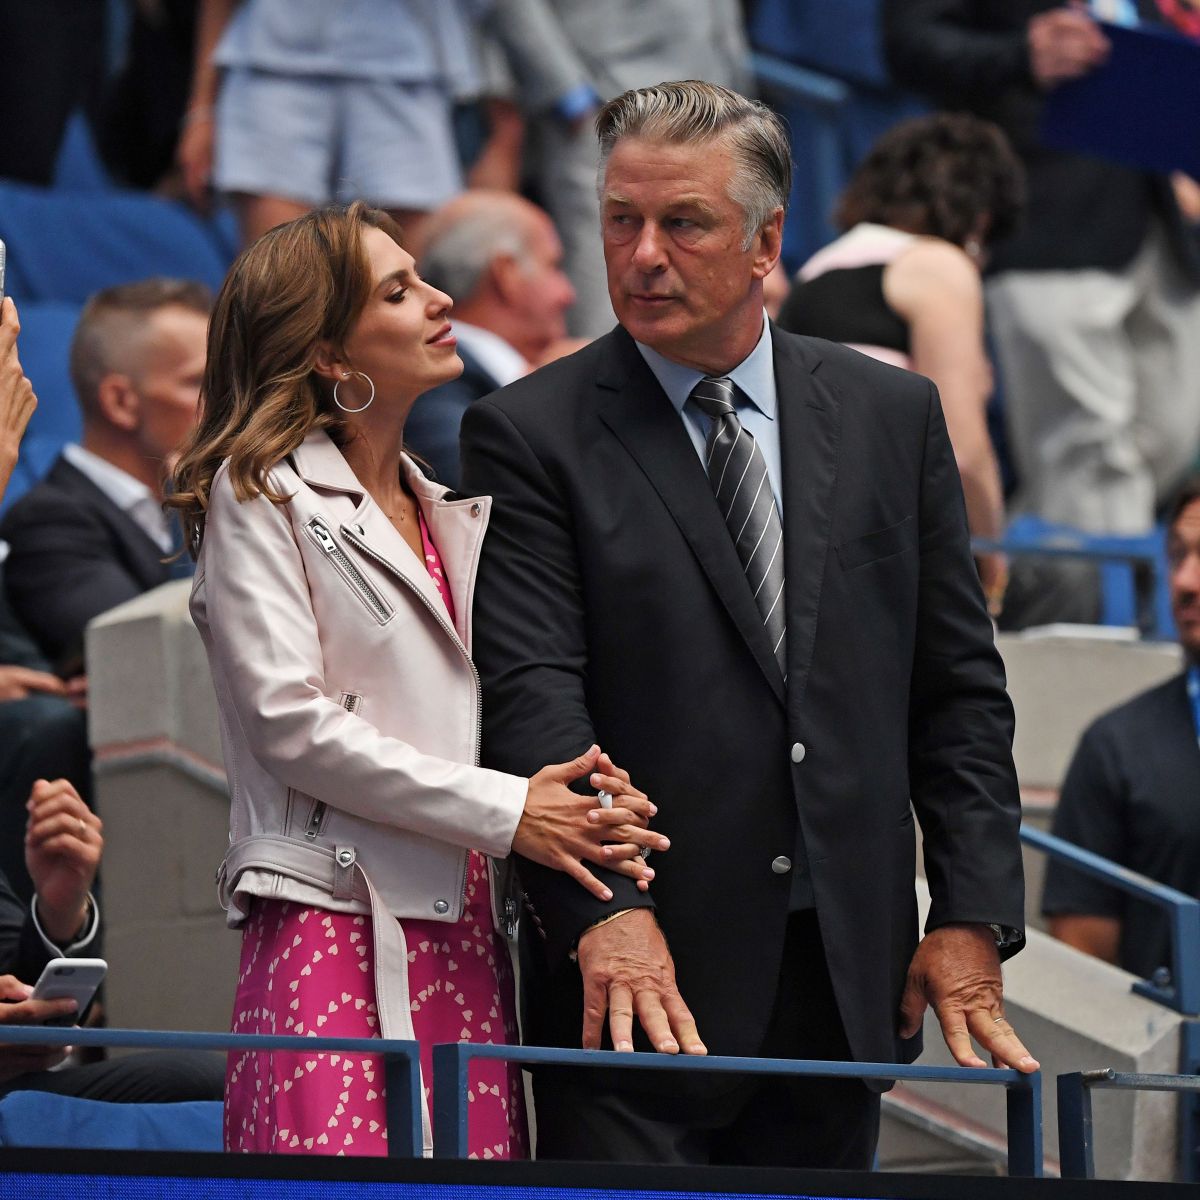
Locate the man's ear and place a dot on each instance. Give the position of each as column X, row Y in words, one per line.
column 768, row 243
column 502, row 273
column 329, row 363
column 118, row 402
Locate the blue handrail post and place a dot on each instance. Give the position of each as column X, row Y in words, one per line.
column 1024, row 1101
column 1189, row 1105
column 1074, row 1127
column 403, row 1103
column 451, row 1064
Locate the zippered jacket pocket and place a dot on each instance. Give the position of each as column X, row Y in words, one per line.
column 314, row 825
column 321, row 537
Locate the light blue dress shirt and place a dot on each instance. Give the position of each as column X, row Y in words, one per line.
column 757, row 401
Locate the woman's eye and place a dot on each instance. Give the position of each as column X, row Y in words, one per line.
column 397, row 297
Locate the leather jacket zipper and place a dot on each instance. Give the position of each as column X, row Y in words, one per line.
column 445, row 624
column 316, row 814
column 319, row 532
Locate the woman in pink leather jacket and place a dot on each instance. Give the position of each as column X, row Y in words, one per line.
column 333, row 592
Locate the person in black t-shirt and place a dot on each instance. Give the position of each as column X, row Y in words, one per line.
column 1131, row 792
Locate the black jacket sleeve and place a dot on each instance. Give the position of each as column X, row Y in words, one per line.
column 942, row 50
column 22, row 951
column 530, row 644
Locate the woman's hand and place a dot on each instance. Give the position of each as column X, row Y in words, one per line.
column 562, row 830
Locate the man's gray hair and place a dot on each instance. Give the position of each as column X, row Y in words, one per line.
column 457, row 256
column 692, row 111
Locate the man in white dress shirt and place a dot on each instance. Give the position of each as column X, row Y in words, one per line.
column 92, row 534
column 500, row 258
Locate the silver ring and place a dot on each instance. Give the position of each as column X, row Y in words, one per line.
column 604, row 799
column 997, row 1020
column 644, row 852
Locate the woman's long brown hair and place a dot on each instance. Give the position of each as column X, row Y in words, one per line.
column 300, row 285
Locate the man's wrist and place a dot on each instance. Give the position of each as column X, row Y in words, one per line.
column 81, row 923
column 604, row 920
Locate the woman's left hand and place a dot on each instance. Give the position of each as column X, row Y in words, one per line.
column 626, row 820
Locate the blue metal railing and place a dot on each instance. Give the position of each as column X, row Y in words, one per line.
column 1183, row 913
column 401, row 1062
column 1118, row 558
column 1075, row 1135
column 452, row 1062
column 1181, row 993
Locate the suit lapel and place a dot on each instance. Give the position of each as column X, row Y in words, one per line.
column 641, row 417
column 143, row 555
column 810, row 417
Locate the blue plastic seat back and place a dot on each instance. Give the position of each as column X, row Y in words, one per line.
column 30, row 1118
column 63, row 246
column 44, row 348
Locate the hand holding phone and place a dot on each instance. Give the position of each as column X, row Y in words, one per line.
column 70, row 979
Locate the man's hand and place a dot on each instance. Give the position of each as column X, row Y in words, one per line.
column 17, row 400
column 18, row 683
column 1064, row 44
column 17, row 1009
column 627, row 968
column 956, row 969
column 63, row 843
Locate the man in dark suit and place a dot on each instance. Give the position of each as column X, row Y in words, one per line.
column 43, row 728
column 62, row 844
column 738, row 560
column 500, row 258
column 92, row 534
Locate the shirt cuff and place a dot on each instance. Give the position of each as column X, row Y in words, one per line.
column 91, row 926
column 579, row 101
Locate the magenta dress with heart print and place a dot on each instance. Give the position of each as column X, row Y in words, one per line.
column 309, row 971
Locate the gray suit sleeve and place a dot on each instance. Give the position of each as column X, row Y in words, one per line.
column 544, row 61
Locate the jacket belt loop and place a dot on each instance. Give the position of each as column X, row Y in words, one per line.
column 344, row 858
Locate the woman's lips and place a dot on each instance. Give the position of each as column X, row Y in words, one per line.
column 444, row 337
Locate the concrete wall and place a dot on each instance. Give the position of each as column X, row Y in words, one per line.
column 160, row 789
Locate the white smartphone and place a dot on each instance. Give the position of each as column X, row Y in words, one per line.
column 70, row 978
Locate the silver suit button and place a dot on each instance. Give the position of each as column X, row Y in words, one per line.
column 476, row 509
column 781, row 865
column 441, row 906
column 798, row 752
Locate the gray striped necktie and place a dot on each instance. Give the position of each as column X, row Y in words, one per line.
column 737, row 471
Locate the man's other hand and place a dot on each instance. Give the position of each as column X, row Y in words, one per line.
column 956, row 969
column 19, row 683
column 63, row 843
column 628, row 969
column 1064, row 44
column 17, row 1009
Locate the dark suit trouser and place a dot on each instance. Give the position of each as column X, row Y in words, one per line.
column 772, row 1122
column 156, row 1077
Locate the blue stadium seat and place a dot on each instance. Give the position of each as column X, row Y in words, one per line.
column 1116, row 557
column 29, row 1118
column 837, row 101
column 45, row 341
column 63, row 246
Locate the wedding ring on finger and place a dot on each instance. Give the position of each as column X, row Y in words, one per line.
column 644, row 852
column 604, row 799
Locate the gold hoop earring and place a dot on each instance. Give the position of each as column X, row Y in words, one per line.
column 370, row 398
